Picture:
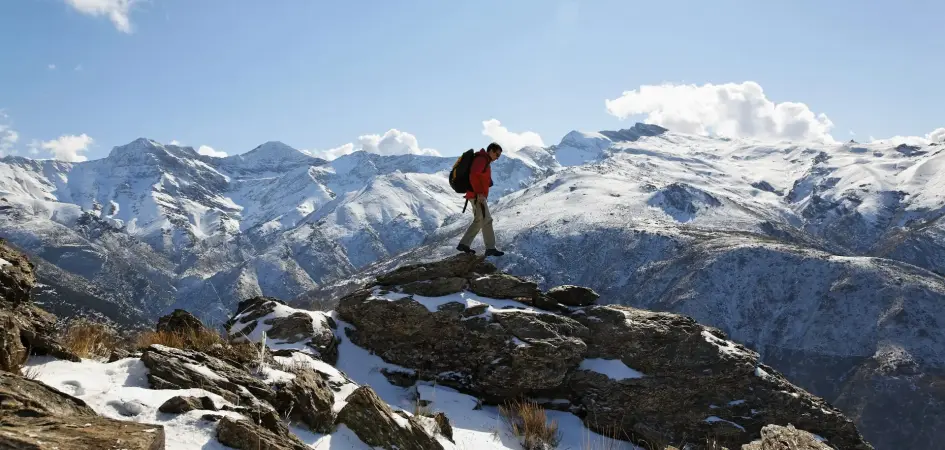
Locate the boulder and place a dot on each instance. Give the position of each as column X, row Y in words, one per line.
column 496, row 353
column 243, row 434
column 308, row 398
column 180, row 321
column 573, row 295
column 12, row 352
column 460, row 265
column 435, row 288
column 78, row 433
column 181, row 404
column 443, row 425
column 503, row 286
column 283, row 326
column 662, row 378
column 378, row 426
column 775, row 437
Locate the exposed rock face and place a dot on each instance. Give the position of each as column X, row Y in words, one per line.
column 573, row 295
column 774, row 437
column 496, row 353
column 693, row 382
column 377, row 425
column 16, row 275
column 315, row 328
column 654, row 378
column 435, row 288
column 180, row 321
column 36, row 416
column 245, row 435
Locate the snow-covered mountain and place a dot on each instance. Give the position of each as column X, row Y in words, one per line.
column 826, row 260
column 154, row 227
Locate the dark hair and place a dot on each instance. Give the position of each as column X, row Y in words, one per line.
column 494, row 146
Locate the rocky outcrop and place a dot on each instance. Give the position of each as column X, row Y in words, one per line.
column 314, row 329
column 180, row 321
column 497, row 353
column 774, row 437
column 36, row 416
column 172, row 368
column 378, row 426
column 654, row 378
column 16, row 275
column 243, row 434
column 461, row 265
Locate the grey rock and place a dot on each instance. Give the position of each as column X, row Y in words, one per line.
column 503, row 286
column 78, row 433
column 245, row 435
column 181, row 404
column 437, row 287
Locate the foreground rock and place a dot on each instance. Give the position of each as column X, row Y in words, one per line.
column 314, row 329
column 24, row 327
column 78, row 433
column 774, row 437
column 378, row 426
column 36, row 416
column 654, row 378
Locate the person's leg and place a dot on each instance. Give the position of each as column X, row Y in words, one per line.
column 488, row 235
column 474, row 227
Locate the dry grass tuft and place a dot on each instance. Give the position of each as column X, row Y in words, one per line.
column 528, row 422
column 89, row 339
column 204, row 340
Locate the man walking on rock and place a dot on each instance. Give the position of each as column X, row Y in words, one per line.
column 480, row 180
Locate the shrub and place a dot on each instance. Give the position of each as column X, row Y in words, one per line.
column 89, row 339
column 528, row 422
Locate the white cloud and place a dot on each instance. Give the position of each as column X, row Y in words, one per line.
column 207, row 150
column 8, row 136
column 936, row 135
column 116, row 10
column 51, row 67
column 732, row 110
column 508, row 140
column 68, row 147
column 332, row 153
column 393, row 142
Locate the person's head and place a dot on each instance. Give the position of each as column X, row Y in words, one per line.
column 494, row 151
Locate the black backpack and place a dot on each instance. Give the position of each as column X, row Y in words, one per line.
column 459, row 176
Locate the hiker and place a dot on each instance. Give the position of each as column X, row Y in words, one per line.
column 480, row 180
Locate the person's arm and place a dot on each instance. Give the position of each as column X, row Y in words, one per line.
column 477, row 177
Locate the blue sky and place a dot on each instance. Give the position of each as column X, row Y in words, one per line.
column 318, row 75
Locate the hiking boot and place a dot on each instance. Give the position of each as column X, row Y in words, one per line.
column 465, row 249
column 494, row 252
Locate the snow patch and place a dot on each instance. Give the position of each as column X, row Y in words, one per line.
column 614, row 369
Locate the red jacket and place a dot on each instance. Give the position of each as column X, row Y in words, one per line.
column 480, row 175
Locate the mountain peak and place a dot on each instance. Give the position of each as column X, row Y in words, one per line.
column 271, row 156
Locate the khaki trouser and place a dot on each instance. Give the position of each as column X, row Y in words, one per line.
column 482, row 220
